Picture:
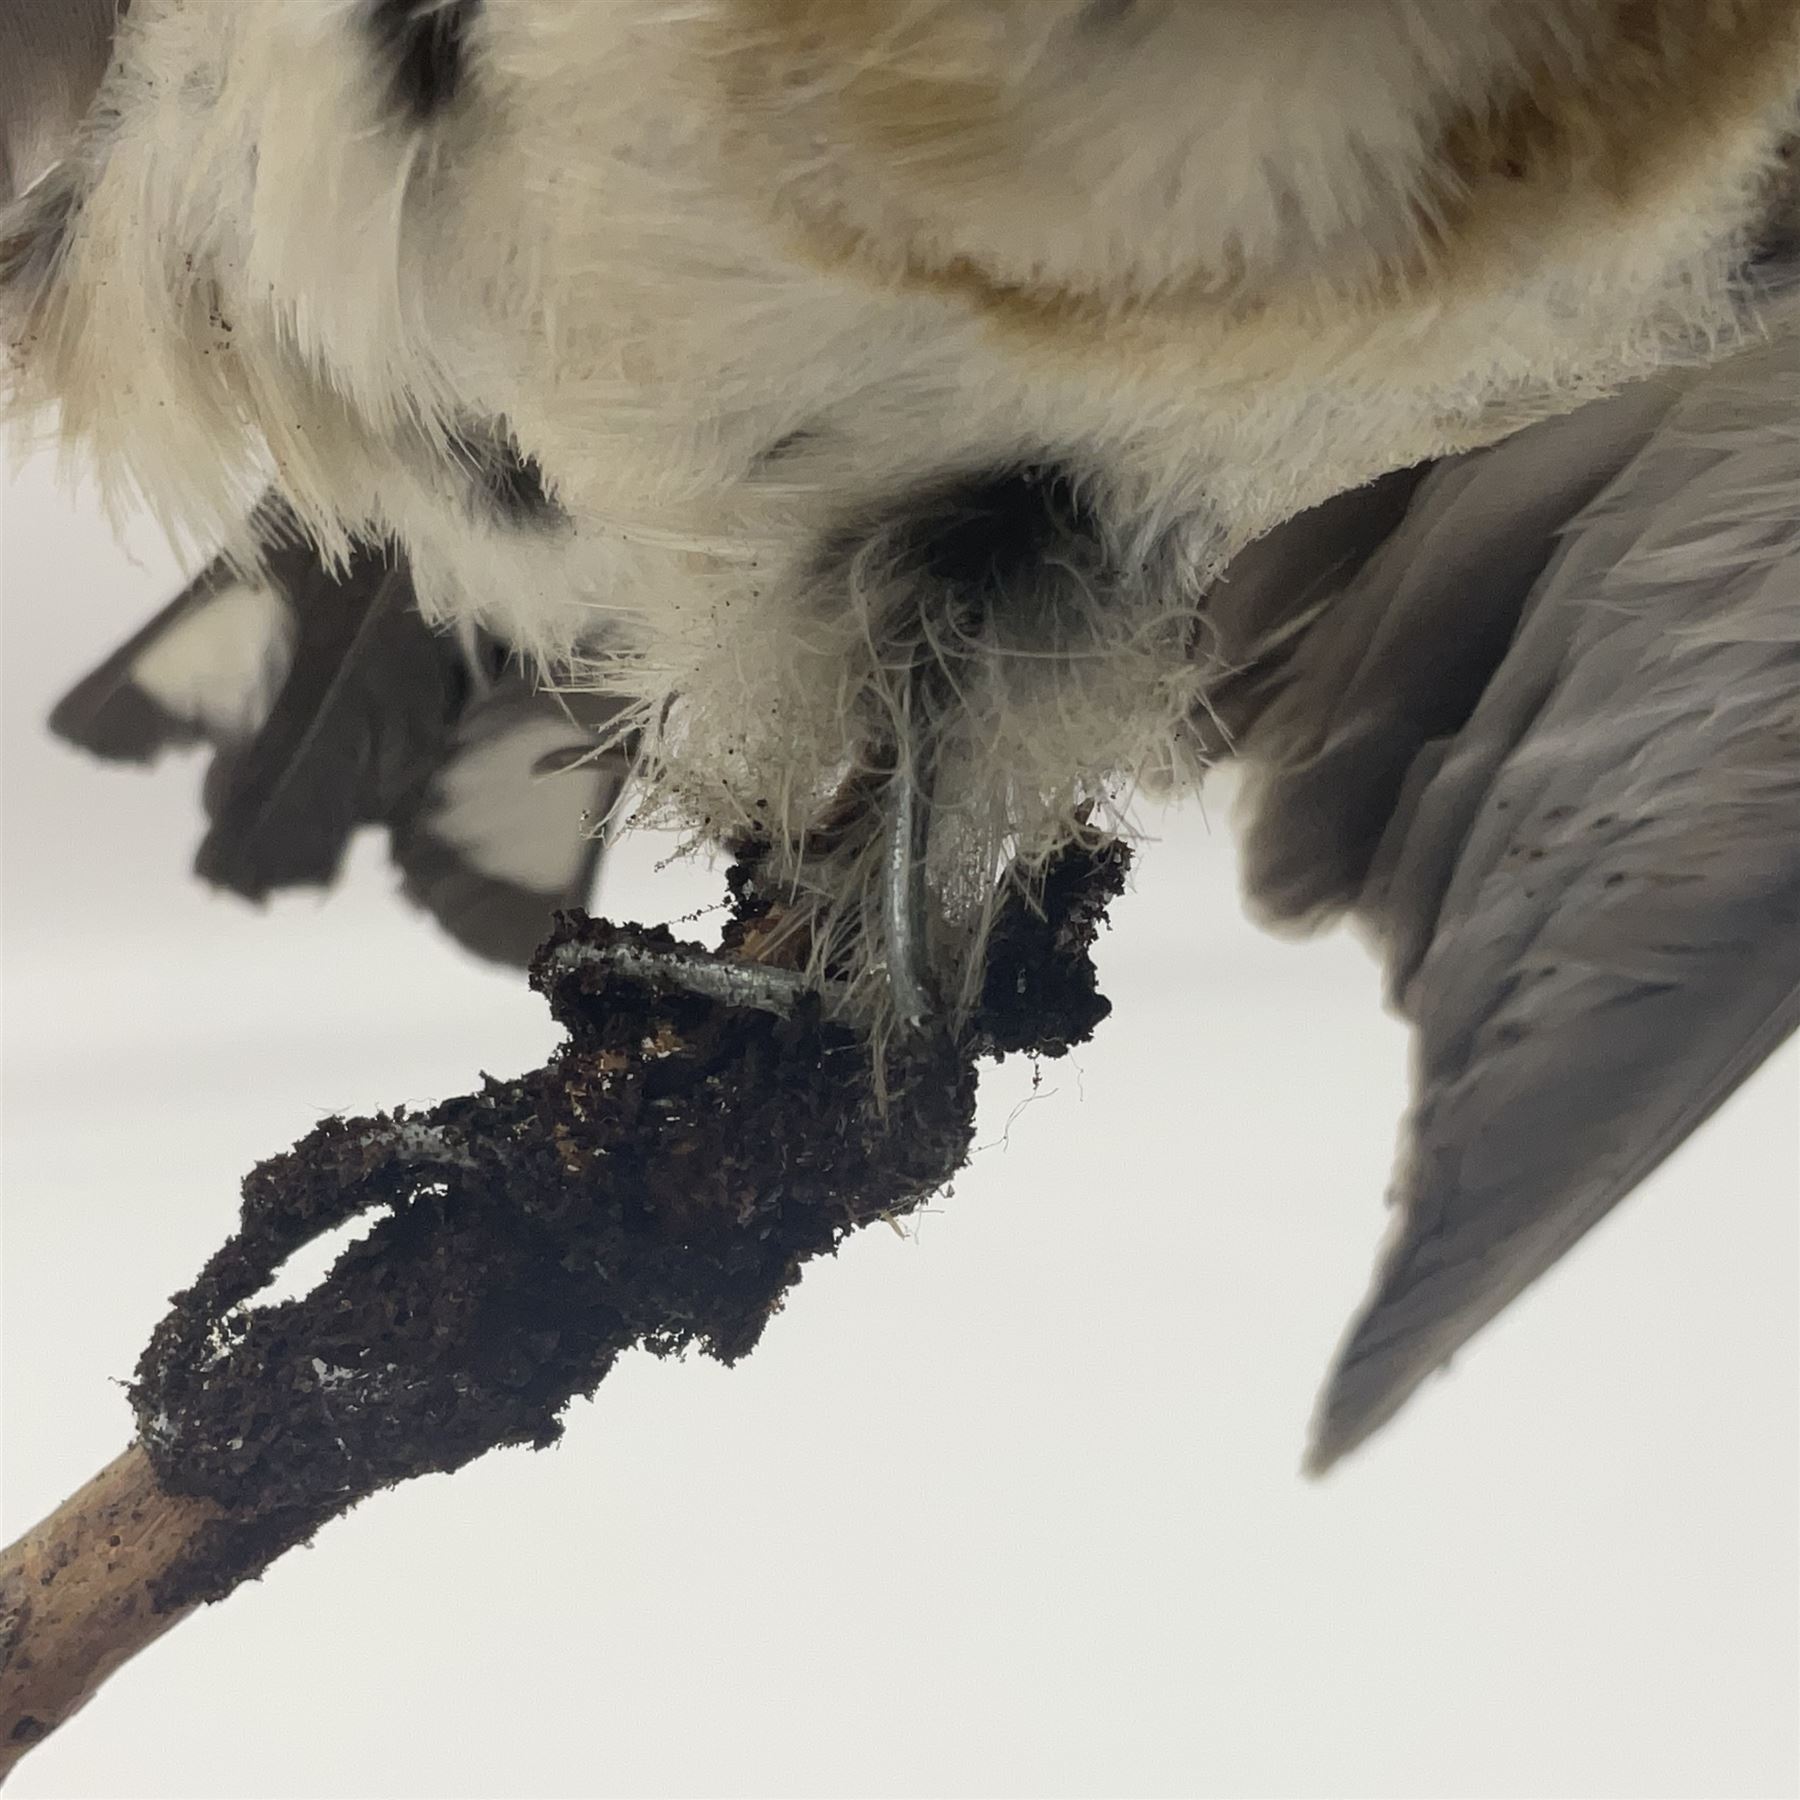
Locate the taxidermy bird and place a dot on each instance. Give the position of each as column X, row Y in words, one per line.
column 890, row 432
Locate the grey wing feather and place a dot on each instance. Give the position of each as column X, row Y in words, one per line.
column 363, row 717
column 1396, row 645
column 1585, row 875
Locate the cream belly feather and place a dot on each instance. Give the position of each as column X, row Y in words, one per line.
column 691, row 266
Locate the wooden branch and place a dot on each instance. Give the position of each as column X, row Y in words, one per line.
column 79, row 1595
column 705, row 1130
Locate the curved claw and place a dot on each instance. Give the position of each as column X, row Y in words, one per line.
column 904, row 895
column 712, row 977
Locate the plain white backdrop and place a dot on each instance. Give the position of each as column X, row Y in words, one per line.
column 1007, row 1507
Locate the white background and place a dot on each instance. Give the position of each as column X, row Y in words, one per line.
column 1008, row 1508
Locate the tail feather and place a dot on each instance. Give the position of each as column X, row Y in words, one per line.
column 330, row 705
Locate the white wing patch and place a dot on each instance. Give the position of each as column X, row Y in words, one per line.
column 221, row 663
column 508, row 820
